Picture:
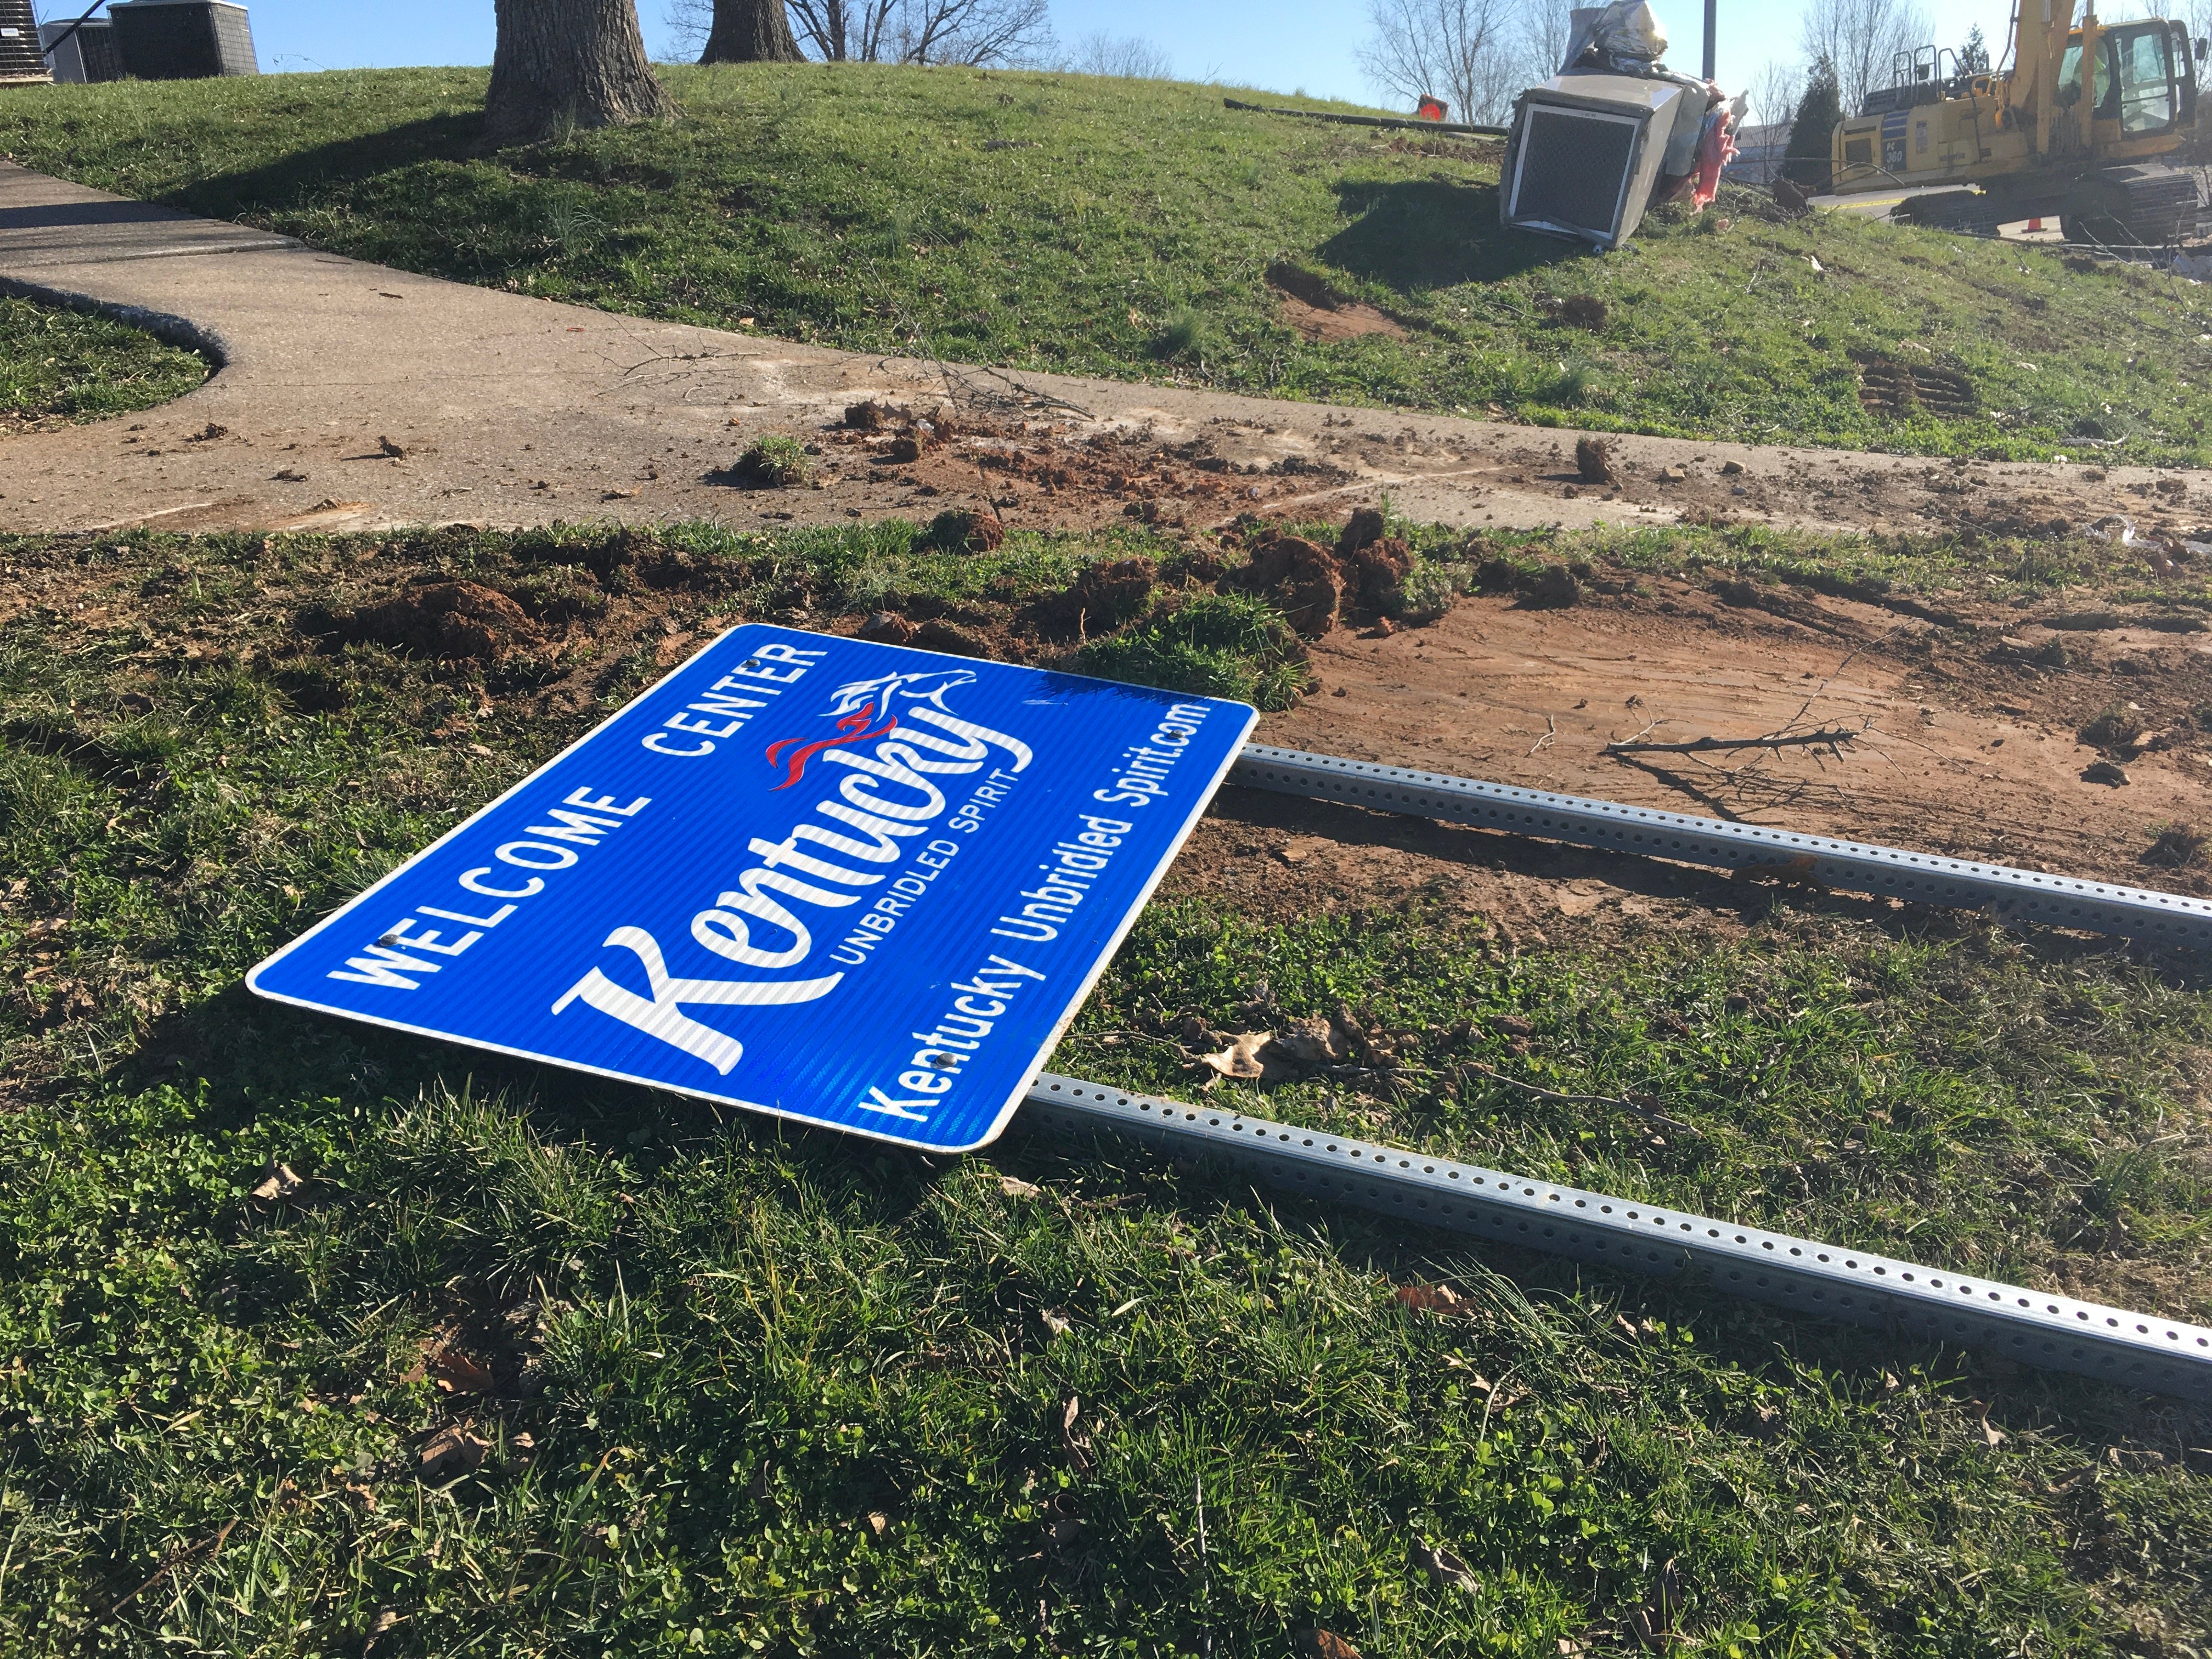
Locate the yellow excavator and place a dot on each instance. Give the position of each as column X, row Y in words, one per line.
column 2073, row 126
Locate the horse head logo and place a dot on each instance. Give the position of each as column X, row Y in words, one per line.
column 876, row 698
column 866, row 710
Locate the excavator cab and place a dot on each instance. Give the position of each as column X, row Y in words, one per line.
column 2146, row 80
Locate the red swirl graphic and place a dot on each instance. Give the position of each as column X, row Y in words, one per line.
column 797, row 763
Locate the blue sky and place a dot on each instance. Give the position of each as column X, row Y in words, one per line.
column 1280, row 45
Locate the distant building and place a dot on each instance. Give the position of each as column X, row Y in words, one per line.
column 1759, row 154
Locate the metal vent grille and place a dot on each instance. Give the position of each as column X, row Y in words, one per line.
column 20, row 58
column 1573, row 169
column 183, row 39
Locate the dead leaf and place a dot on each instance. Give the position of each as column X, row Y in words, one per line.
column 878, row 1522
column 452, row 1450
column 1991, row 1435
column 1432, row 1299
column 459, row 1373
column 1328, row 1645
column 1075, row 1441
column 1568, row 1644
column 1766, row 1422
column 383, row 1625
column 1312, row 1042
column 1014, row 1187
column 1620, row 1323
column 1442, row 1565
column 1054, row 1323
column 277, row 1182
column 1240, row 1059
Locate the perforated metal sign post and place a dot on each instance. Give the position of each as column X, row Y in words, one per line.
column 2002, row 889
column 855, row 885
column 1828, row 1281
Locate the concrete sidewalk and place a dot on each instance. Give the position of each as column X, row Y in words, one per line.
column 351, row 396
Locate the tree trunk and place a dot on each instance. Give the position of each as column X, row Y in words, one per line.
column 751, row 32
column 569, row 62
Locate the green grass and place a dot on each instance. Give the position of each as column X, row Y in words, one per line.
column 775, row 1393
column 57, row 366
column 1219, row 645
column 1123, row 229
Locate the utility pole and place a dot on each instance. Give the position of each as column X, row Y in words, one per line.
column 1712, row 8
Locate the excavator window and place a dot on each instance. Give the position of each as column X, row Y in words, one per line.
column 2136, row 87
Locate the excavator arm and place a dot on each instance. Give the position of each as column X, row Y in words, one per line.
column 2031, row 94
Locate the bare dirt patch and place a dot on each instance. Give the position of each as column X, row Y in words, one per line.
column 1307, row 303
column 1960, row 744
column 457, row 621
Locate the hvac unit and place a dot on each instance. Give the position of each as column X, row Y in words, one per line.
column 1586, row 151
column 20, row 58
column 182, row 40
column 82, row 52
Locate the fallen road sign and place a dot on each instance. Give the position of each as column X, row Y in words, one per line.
column 855, row 885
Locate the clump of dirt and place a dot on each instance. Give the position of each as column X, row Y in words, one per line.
column 2112, row 726
column 1317, row 586
column 2177, row 847
column 774, row 463
column 1593, row 460
column 870, row 415
column 941, row 636
column 1375, row 565
column 963, row 531
column 1584, row 310
column 1302, row 578
column 886, row 628
column 1553, row 587
column 1101, row 600
column 455, row 622
column 906, row 448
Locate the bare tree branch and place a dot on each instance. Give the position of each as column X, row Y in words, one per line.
column 971, row 32
column 1775, row 93
column 1129, row 56
column 1861, row 38
column 1465, row 52
column 1827, row 739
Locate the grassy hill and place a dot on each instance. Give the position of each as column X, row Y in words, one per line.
column 1125, row 228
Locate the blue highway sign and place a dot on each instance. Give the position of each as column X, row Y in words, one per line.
column 855, row 885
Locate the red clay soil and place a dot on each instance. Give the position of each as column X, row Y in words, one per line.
column 1965, row 744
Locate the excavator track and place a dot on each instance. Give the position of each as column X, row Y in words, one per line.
column 1966, row 211
column 2139, row 205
